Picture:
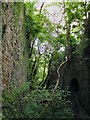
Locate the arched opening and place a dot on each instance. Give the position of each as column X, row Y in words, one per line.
column 74, row 86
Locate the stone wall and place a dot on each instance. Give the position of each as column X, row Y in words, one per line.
column 14, row 67
column 75, row 74
column 79, row 69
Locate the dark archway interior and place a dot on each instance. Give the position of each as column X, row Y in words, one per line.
column 74, row 86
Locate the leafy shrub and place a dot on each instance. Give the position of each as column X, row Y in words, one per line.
column 13, row 101
column 36, row 104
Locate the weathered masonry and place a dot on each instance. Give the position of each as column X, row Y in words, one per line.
column 76, row 75
column 13, row 44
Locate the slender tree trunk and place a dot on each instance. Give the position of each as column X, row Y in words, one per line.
column 68, row 44
column 41, row 7
column 43, row 73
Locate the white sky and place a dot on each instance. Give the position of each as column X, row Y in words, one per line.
column 49, row 1
column 55, row 12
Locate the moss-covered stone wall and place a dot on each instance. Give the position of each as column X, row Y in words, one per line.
column 75, row 74
column 79, row 69
column 14, row 65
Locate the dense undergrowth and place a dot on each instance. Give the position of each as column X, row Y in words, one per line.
column 20, row 103
column 47, row 44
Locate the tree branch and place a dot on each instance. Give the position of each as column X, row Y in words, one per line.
column 41, row 7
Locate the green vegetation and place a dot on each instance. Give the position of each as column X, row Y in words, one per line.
column 48, row 44
column 47, row 40
column 36, row 104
